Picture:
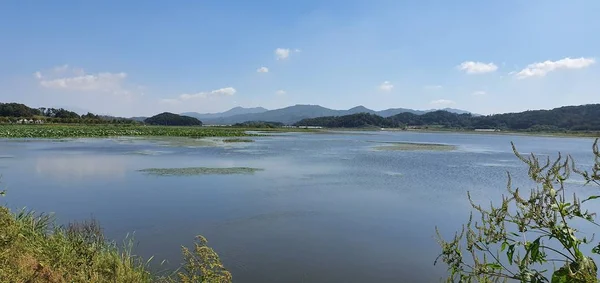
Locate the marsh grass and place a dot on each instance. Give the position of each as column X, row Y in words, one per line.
column 194, row 171
column 34, row 250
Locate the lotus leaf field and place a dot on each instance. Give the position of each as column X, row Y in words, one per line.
column 101, row 131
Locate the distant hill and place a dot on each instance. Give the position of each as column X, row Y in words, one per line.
column 139, row 119
column 568, row 118
column 170, row 119
column 396, row 111
column 453, row 110
column 228, row 113
column 359, row 120
column 259, row 124
column 292, row 114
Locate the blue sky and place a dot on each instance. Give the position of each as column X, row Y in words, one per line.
column 142, row 57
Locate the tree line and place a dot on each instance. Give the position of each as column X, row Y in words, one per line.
column 568, row 118
column 15, row 112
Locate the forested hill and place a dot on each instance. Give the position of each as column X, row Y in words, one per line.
column 360, row 120
column 569, row 118
column 170, row 119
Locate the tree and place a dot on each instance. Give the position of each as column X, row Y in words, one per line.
column 529, row 230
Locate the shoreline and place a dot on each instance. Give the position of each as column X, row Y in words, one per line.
column 62, row 131
column 454, row 131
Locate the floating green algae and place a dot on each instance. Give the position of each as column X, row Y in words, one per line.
column 195, row 171
column 235, row 140
column 409, row 146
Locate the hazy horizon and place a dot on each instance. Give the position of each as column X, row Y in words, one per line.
column 126, row 59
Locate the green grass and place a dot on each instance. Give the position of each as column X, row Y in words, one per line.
column 33, row 249
column 100, row 131
column 193, row 171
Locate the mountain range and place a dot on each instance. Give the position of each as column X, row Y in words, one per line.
column 292, row 114
column 231, row 112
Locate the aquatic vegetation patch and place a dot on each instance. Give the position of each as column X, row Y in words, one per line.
column 409, row 146
column 235, row 140
column 394, row 174
column 195, row 171
column 149, row 152
column 103, row 131
column 184, row 142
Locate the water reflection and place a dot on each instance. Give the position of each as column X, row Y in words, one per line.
column 81, row 167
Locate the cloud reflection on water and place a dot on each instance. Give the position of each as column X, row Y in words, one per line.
column 81, row 167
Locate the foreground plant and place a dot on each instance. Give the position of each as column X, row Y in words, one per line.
column 33, row 250
column 521, row 237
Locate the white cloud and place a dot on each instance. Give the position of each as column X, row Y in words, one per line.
column 471, row 67
column 97, row 82
column 297, row 50
column 282, row 53
column 540, row 69
column 432, row 87
column 262, row 70
column 443, row 102
column 386, row 86
column 479, row 93
column 60, row 69
column 222, row 92
column 227, row 91
column 75, row 79
column 280, row 92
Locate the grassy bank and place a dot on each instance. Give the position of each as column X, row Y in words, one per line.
column 100, row 131
column 33, row 249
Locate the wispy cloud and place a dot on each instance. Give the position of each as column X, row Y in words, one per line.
column 76, row 79
column 479, row 93
column 386, row 86
column 540, row 69
column 280, row 92
column 282, row 53
column 262, row 70
column 471, row 67
column 226, row 91
column 442, row 102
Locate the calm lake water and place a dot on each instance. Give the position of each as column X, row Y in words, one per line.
column 326, row 208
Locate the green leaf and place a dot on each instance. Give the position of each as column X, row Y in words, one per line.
column 596, row 249
column 504, row 245
column 590, row 198
column 494, row 266
column 560, row 276
column 510, row 253
column 535, row 250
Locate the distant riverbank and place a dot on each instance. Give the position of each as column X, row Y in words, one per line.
column 464, row 131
